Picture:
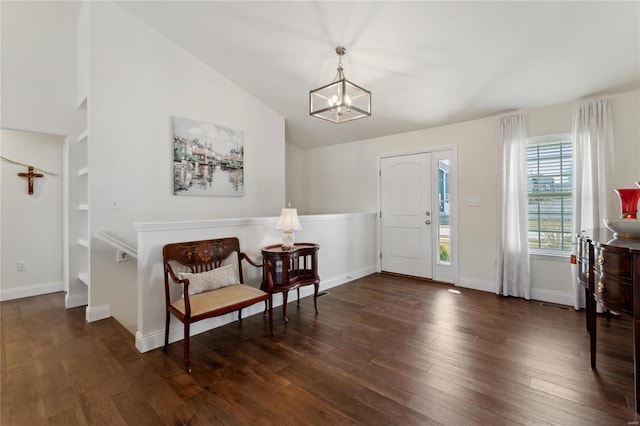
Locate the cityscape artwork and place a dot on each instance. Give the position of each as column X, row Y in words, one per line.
column 208, row 159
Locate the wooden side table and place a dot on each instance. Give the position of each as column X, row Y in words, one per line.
column 291, row 269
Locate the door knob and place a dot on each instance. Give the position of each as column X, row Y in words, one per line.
column 428, row 222
column 427, row 213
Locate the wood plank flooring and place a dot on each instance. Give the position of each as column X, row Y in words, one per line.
column 383, row 350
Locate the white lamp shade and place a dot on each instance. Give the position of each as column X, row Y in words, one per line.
column 289, row 220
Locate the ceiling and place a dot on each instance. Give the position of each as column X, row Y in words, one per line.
column 426, row 63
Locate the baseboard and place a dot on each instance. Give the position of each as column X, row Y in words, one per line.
column 97, row 313
column 155, row 339
column 31, row 290
column 489, row 286
column 536, row 293
column 76, row 300
column 552, row 296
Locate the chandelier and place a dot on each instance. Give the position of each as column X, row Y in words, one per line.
column 340, row 100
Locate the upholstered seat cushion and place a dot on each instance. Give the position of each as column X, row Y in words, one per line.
column 212, row 301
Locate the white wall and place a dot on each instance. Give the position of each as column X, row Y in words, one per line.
column 344, row 178
column 347, row 251
column 39, row 67
column 31, row 224
column 138, row 80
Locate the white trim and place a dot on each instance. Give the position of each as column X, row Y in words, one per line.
column 221, row 223
column 155, row 339
column 97, row 313
column 420, row 151
column 537, row 294
column 556, row 137
column 453, row 193
column 76, row 300
column 557, row 297
column 31, row 290
column 489, row 286
column 557, row 256
column 65, row 215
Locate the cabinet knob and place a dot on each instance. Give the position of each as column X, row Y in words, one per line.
column 600, row 287
column 600, row 260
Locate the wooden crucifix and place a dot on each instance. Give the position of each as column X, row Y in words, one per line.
column 30, row 176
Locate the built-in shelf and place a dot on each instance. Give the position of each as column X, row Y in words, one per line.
column 83, row 243
column 84, row 277
column 84, row 136
column 83, row 207
column 83, row 171
column 82, row 103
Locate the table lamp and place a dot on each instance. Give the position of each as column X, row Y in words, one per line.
column 288, row 223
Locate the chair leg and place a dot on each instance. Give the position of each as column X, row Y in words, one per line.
column 166, row 331
column 187, row 361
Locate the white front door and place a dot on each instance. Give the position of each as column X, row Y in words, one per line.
column 406, row 216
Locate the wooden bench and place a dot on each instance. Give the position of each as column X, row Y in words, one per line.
column 210, row 274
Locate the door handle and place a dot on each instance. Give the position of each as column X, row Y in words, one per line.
column 427, row 213
column 428, row 222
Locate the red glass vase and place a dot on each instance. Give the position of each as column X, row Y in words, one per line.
column 628, row 202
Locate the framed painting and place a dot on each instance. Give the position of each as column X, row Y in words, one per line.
column 208, row 159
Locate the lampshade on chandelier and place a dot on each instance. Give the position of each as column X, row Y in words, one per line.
column 340, row 100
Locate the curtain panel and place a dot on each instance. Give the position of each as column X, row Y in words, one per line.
column 514, row 278
column 593, row 197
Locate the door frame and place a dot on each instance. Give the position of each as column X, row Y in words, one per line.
column 455, row 224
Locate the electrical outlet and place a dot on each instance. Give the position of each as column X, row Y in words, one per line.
column 22, row 265
column 121, row 256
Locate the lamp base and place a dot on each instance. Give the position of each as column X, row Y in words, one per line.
column 288, row 237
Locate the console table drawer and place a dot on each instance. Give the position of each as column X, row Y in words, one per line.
column 583, row 273
column 613, row 293
column 613, row 262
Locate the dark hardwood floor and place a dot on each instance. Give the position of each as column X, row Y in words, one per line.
column 383, row 350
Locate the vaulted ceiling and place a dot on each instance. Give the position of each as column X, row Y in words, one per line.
column 426, row 63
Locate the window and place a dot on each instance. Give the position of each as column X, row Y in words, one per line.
column 549, row 186
column 444, row 212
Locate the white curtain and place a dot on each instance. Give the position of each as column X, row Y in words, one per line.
column 514, row 278
column 593, row 197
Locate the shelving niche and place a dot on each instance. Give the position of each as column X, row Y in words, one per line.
column 78, row 240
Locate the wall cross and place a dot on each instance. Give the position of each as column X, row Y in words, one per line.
column 30, row 176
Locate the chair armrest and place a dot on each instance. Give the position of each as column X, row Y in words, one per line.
column 248, row 259
column 265, row 265
column 176, row 280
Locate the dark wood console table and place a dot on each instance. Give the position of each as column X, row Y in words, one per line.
column 609, row 269
column 291, row 269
